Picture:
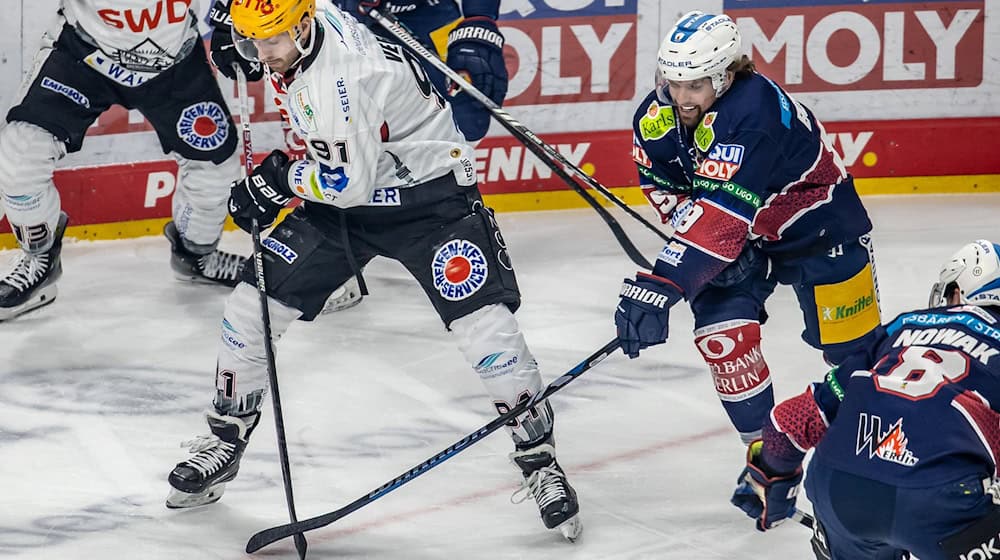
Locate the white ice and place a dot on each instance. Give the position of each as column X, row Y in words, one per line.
column 98, row 389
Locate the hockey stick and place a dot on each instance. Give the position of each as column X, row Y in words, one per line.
column 258, row 263
column 546, row 153
column 803, row 518
column 274, row 534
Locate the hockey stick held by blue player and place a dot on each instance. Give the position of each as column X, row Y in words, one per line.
column 274, row 534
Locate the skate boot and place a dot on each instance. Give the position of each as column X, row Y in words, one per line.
column 346, row 296
column 202, row 479
column 545, row 480
column 32, row 282
column 201, row 263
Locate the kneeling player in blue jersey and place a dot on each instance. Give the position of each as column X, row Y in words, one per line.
column 757, row 197
column 906, row 451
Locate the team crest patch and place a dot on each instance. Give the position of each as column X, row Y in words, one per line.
column 203, row 126
column 459, row 269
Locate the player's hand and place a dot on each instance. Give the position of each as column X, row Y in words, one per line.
column 475, row 51
column 643, row 312
column 223, row 51
column 767, row 497
column 359, row 9
column 261, row 195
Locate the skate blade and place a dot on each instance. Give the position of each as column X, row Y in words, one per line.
column 340, row 300
column 180, row 500
column 201, row 280
column 571, row 528
column 42, row 297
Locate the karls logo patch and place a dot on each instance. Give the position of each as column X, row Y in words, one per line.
column 278, row 248
column 459, row 269
column 203, row 126
column 657, row 122
column 64, row 90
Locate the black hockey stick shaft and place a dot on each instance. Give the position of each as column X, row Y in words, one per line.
column 545, row 152
column 274, row 534
column 258, row 263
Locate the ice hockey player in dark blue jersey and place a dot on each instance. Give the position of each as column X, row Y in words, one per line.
column 473, row 45
column 756, row 197
column 905, row 451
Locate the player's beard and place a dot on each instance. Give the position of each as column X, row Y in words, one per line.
column 690, row 119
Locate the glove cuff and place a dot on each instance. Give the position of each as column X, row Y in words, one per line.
column 479, row 29
column 219, row 16
column 665, row 282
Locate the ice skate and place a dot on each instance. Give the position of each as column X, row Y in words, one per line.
column 346, row 296
column 545, row 480
column 209, row 267
column 201, row 480
column 32, row 282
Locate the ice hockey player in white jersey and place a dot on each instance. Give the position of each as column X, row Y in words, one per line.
column 142, row 54
column 390, row 175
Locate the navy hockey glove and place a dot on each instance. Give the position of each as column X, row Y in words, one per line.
column 763, row 495
column 223, row 50
column 263, row 194
column 475, row 50
column 644, row 312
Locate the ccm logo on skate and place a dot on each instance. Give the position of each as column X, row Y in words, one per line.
column 643, row 295
column 203, row 126
column 459, row 269
column 280, row 249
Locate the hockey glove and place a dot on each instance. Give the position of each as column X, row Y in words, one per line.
column 763, row 495
column 644, row 312
column 223, row 50
column 475, row 50
column 261, row 195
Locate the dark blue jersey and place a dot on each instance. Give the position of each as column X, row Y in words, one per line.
column 757, row 167
column 925, row 413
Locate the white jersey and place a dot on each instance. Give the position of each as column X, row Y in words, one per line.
column 370, row 118
column 138, row 38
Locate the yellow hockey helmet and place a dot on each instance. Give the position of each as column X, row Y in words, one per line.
column 263, row 19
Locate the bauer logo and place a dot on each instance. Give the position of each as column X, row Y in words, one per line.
column 64, row 90
column 836, row 45
column 280, row 249
column 459, row 269
column 203, row 126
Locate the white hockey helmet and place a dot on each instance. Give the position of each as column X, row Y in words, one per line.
column 974, row 271
column 699, row 45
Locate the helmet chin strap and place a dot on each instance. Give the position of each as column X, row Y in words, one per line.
column 306, row 50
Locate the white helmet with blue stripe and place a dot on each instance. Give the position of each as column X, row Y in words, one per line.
column 699, row 46
column 974, row 271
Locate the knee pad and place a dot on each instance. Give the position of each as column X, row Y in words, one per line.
column 241, row 369
column 28, row 156
column 741, row 376
column 493, row 344
column 732, row 351
column 199, row 203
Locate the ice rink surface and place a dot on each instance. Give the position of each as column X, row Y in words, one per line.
column 98, row 390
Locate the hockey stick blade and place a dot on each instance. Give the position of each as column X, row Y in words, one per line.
column 275, row 534
column 545, row 152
